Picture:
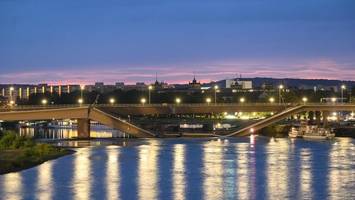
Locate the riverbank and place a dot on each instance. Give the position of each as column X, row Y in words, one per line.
column 18, row 153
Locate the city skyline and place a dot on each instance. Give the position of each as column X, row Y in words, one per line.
column 86, row 41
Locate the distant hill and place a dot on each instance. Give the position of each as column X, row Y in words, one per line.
column 299, row 83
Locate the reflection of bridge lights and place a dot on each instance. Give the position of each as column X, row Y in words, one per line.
column 252, row 130
column 252, row 139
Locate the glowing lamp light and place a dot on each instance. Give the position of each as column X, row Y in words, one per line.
column 281, row 87
column 12, row 102
column 333, row 99
column 208, row 100
column 80, row 101
column 82, row 87
column 216, row 87
column 271, row 99
column 242, row 100
column 112, row 100
column 150, row 87
column 143, row 100
column 44, row 101
column 178, row 100
column 304, row 99
column 343, row 87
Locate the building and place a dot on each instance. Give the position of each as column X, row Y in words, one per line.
column 239, row 84
column 194, row 84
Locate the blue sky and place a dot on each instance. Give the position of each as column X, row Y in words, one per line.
column 84, row 41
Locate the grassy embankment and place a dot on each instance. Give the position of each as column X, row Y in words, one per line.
column 18, row 153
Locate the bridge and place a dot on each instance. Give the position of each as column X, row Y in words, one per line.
column 107, row 114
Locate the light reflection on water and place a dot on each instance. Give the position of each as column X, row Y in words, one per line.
column 194, row 169
column 67, row 133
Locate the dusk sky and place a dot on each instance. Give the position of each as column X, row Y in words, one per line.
column 83, row 41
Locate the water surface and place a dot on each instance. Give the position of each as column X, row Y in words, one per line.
column 237, row 168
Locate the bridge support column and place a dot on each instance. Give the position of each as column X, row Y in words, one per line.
column 318, row 115
column 83, row 128
column 325, row 118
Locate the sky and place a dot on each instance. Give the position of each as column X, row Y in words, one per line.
column 83, row 41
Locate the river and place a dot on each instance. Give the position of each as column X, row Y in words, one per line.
column 234, row 168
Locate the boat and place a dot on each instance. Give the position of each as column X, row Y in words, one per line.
column 317, row 133
column 311, row 132
column 295, row 133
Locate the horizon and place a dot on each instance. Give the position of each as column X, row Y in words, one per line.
column 173, row 83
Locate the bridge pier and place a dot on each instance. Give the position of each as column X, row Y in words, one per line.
column 325, row 115
column 318, row 116
column 83, row 128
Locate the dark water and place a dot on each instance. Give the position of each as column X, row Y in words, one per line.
column 240, row 168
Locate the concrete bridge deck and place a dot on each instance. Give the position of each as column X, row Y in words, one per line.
column 105, row 114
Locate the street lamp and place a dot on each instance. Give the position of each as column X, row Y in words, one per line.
column 12, row 103
column 177, row 100
column 80, row 101
column 11, row 90
column 281, row 87
column 242, row 100
column 343, row 87
column 215, row 94
column 304, row 99
column 112, row 100
column 271, row 99
column 208, row 100
column 333, row 99
column 149, row 90
column 82, row 88
column 44, row 102
column 143, row 101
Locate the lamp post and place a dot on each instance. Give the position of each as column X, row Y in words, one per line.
column 82, row 88
column 242, row 100
column 304, row 99
column 280, row 89
column 215, row 94
column 149, row 91
column 11, row 92
column 343, row 87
